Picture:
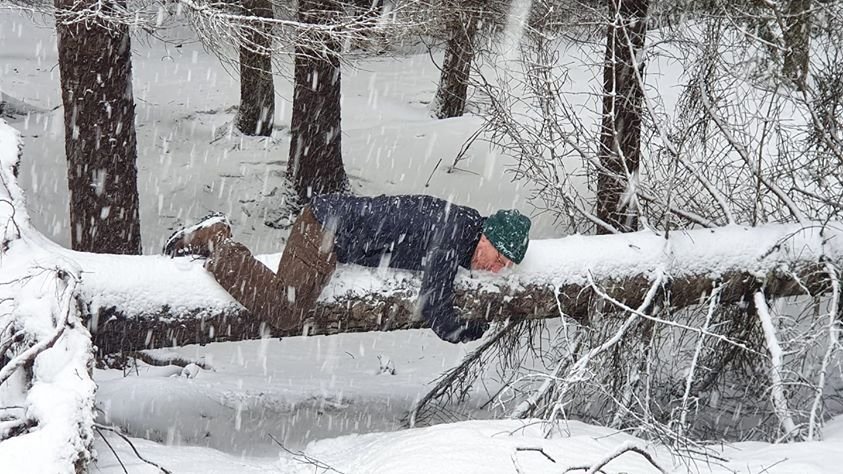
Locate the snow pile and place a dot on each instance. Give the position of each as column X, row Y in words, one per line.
column 46, row 390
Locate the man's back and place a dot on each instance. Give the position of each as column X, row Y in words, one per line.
column 398, row 231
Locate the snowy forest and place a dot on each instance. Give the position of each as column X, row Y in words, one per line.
column 678, row 308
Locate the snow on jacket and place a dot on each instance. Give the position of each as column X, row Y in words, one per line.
column 413, row 232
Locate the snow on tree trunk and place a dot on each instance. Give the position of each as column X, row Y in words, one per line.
column 257, row 92
column 452, row 93
column 46, row 357
column 315, row 165
column 620, row 135
column 99, row 121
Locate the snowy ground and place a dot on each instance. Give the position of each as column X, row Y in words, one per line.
column 487, row 447
column 305, row 391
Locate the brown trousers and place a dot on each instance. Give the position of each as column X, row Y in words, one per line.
column 285, row 298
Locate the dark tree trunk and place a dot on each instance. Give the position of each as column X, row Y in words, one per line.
column 99, row 112
column 456, row 68
column 315, row 164
column 797, row 38
column 257, row 92
column 620, row 136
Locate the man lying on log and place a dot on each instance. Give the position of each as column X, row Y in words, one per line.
column 413, row 232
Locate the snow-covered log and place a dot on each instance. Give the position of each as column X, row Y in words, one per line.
column 136, row 302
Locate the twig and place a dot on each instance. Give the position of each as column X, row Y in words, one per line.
column 712, row 304
column 579, row 367
column 457, row 372
column 28, row 355
column 744, row 154
column 131, row 445
column 307, row 459
column 617, row 303
column 514, row 457
column 113, row 451
column 538, row 450
column 163, row 361
column 427, row 184
column 464, row 149
column 616, row 454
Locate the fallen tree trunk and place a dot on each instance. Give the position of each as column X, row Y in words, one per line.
column 173, row 302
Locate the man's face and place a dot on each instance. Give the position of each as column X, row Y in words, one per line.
column 486, row 257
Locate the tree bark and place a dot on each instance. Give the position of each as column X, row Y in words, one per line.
column 99, row 111
column 772, row 259
column 257, row 92
column 620, row 136
column 315, row 165
column 452, row 93
column 797, row 39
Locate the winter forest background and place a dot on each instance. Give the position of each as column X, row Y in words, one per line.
column 678, row 310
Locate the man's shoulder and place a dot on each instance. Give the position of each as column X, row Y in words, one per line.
column 406, row 202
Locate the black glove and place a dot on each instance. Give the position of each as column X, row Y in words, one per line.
column 455, row 330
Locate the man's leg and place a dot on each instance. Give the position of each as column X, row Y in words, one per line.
column 248, row 281
column 306, row 265
column 281, row 299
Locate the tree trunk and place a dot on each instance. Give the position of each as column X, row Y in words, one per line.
column 257, row 92
column 620, row 136
column 797, row 39
column 315, row 164
column 99, row 112
column 452, row 93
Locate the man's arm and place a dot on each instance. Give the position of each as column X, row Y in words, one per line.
column 437, row 299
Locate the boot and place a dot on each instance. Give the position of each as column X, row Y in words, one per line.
column 200, row 238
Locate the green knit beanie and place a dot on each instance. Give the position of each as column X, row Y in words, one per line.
column 509, row 232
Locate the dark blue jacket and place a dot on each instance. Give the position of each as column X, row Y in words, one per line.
column 413, row 232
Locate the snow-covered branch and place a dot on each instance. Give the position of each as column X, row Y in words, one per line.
column 45, row 350
column 833, row 327
column 779, row 398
